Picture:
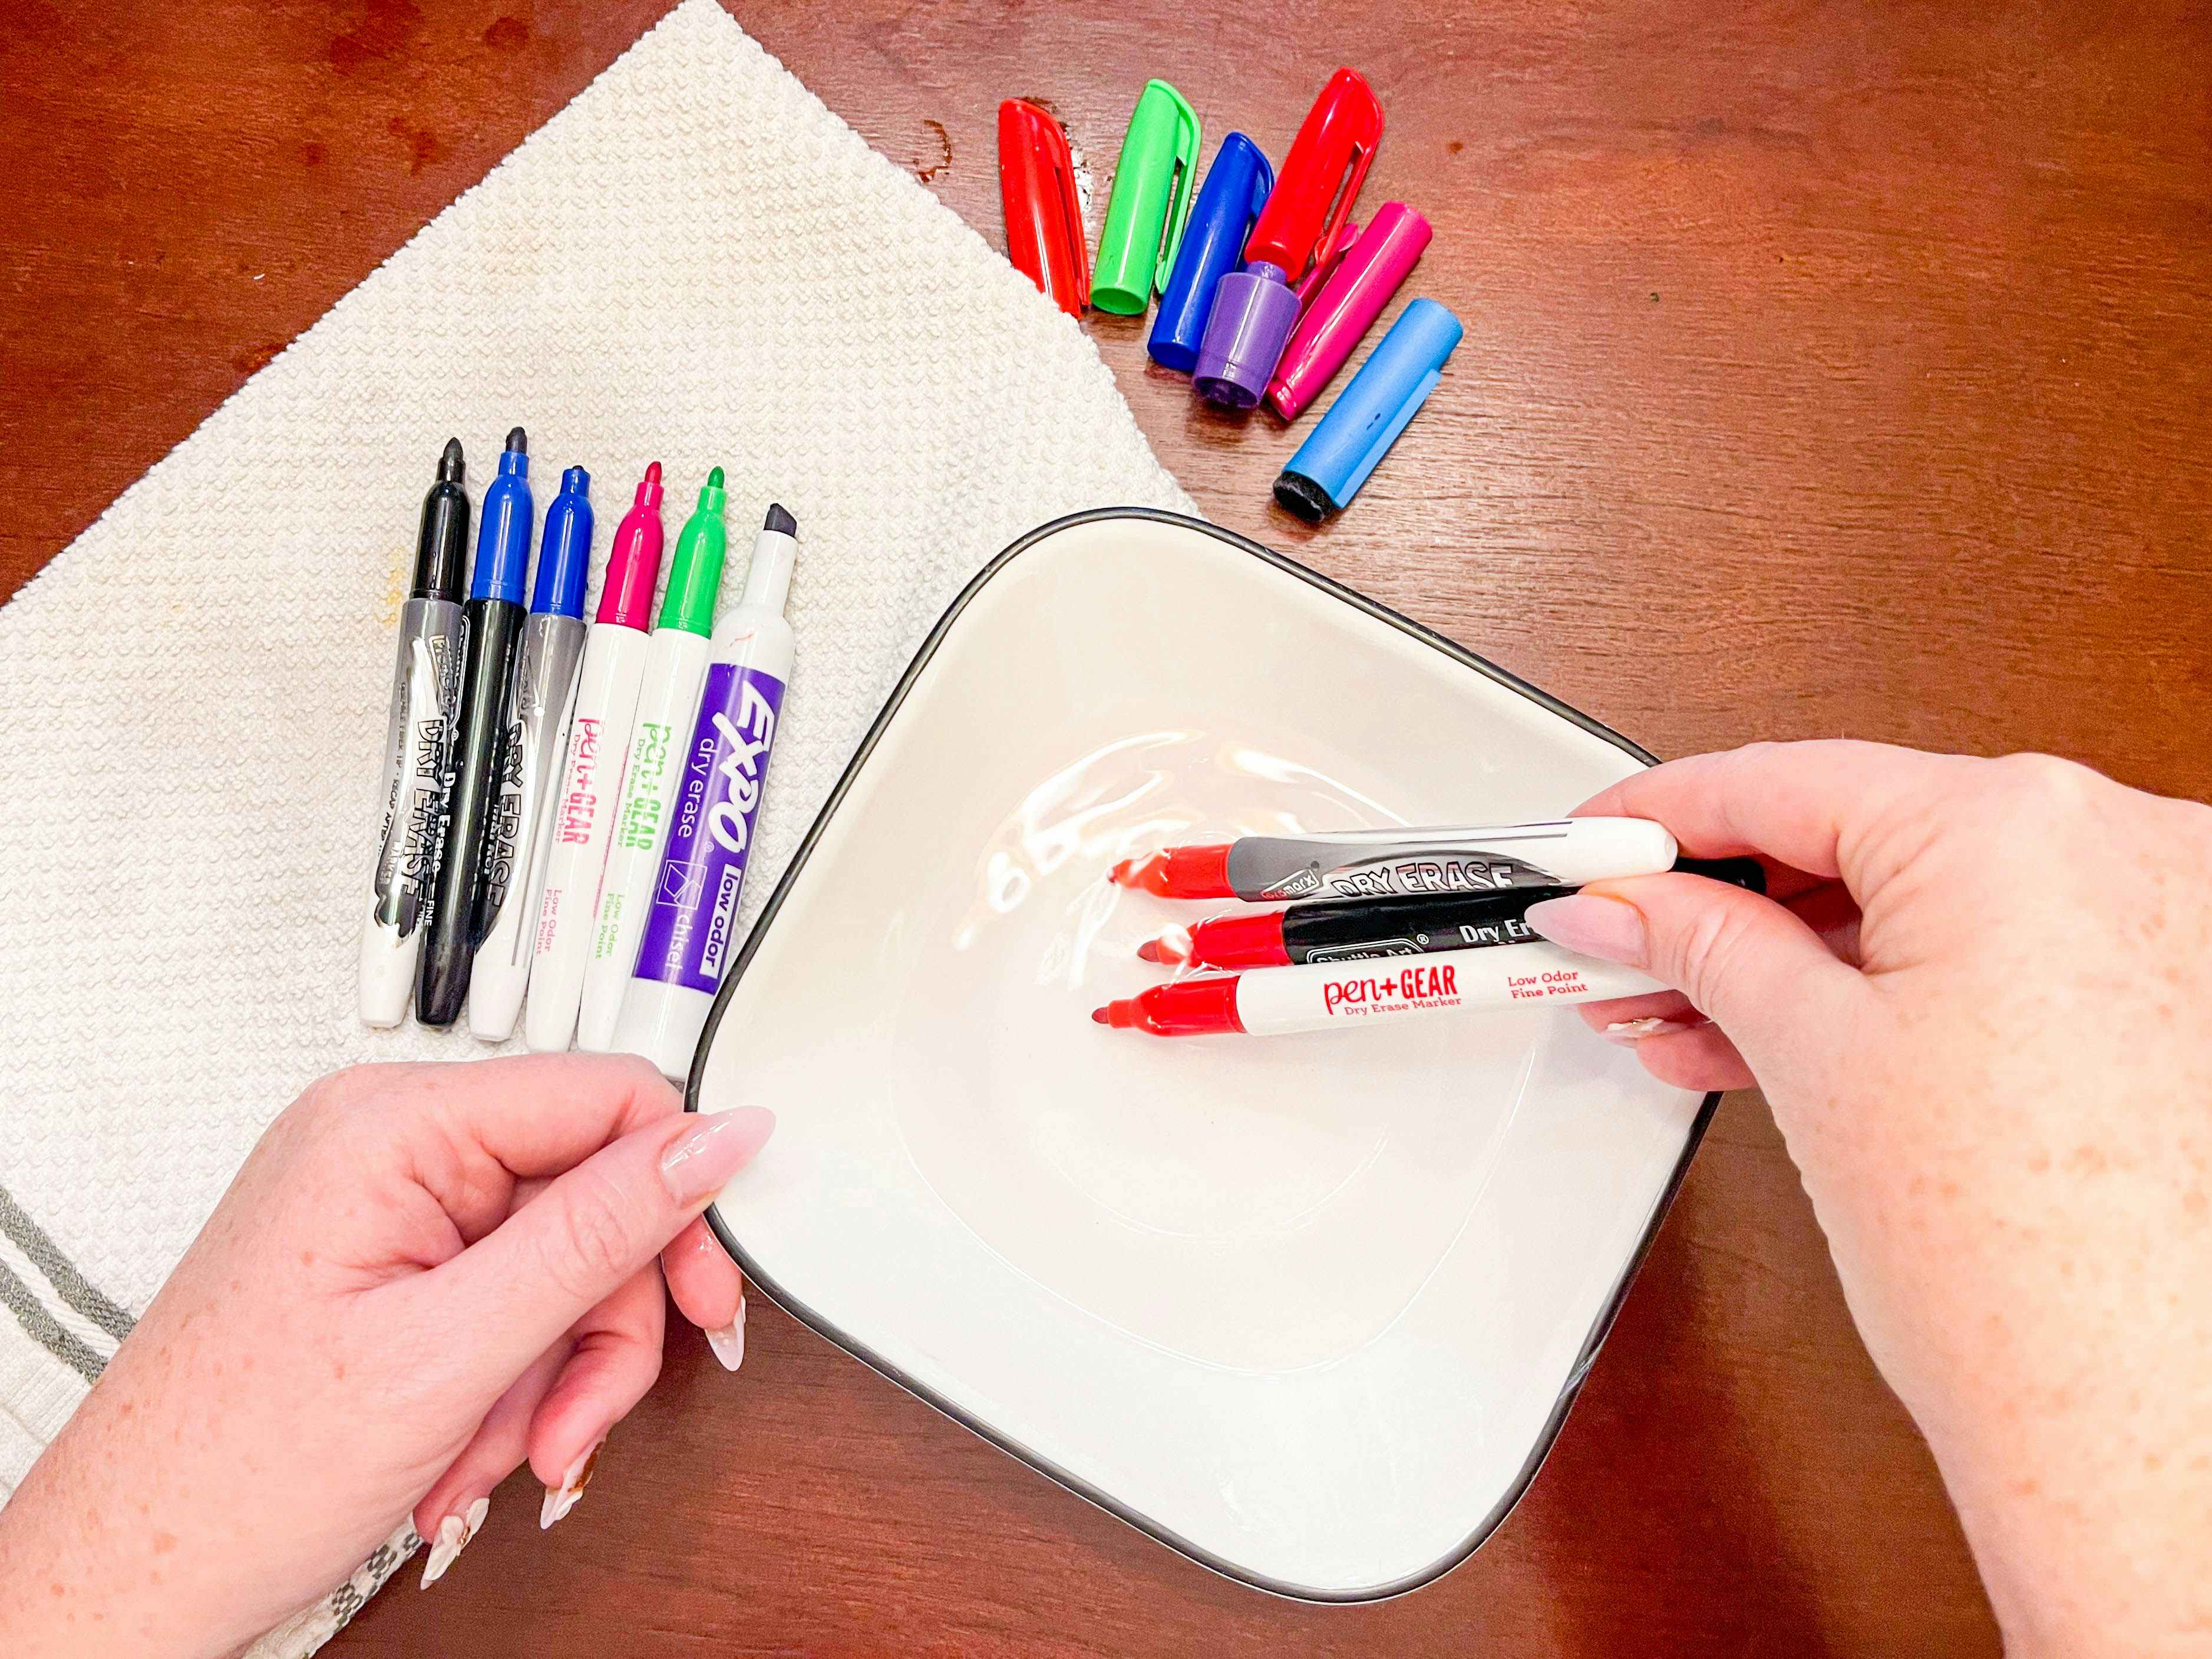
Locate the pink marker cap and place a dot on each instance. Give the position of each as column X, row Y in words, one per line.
column 633, row 565
column 1347, row 306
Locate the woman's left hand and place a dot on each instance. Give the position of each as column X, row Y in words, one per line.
column 422, row 1276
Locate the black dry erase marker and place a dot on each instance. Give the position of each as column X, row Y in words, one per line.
column 493, row 618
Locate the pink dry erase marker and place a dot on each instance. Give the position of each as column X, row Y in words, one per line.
column 591, row 774
column 1347, row 306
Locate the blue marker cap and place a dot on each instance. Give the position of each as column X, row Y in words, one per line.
column 1235, row 190
column 564, row 548
column 1394, row 382
column 503, row 531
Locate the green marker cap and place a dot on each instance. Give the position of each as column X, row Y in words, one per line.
column 694, row 581
column 1153, row 185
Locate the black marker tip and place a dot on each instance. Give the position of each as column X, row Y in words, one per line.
column 449, row 463
column 781, row 521
column 518, row 442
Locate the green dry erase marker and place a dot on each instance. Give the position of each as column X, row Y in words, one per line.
column 1153, row 185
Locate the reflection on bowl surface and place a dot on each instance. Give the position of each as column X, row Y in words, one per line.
column 1297, row 1190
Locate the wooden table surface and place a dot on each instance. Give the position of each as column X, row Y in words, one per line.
column 1829, row 368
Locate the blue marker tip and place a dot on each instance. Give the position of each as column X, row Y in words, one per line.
column 503, row 531
column 564, row 552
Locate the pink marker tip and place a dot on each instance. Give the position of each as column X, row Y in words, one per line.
column 653, row 473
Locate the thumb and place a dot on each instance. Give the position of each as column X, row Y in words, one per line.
column 1744, row 962
column 525, row 1282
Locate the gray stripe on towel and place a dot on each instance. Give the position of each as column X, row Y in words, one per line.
column 45, row 1256
column 46, row 1329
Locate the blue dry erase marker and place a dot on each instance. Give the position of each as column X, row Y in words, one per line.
column 1230, row 200
column 521, row 830
column 493, row 619
column 1358, row 432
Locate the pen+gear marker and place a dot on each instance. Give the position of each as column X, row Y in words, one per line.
column 538, row 716
column 667, row 701
column 417, row 750
column 1329, row 996
column 494, row 618
column 690, row 928
column 591, row 776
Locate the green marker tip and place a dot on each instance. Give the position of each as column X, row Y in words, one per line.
column 714, row 479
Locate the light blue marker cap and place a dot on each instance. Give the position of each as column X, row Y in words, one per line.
column 1359, row 431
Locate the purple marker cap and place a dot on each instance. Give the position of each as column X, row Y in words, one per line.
column 1253, row 312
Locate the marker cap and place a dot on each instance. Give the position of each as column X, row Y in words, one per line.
column 503, row 534
column 1253, row 312
column 564, row 548
column 1228, row 204
column 1044, row 218
column 1359, row 428
column 634, row 563
column 1301, row 228
column 1348, row 303
column 695, row 579
column 1151, row 198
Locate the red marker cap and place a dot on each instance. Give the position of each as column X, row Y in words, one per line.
column 1305, row 214
column 1044, row 217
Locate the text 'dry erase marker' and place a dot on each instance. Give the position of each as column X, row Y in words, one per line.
column 494, row 615
column 1360, row 426
column 667, row 702
column 1360, row 930
column 417, row 750
column 591, row 772
column 690, row 930
column 1365, row 863
column 536, row 734
column 1332, row 996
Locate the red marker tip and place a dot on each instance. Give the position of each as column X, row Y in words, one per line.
column 1179, row 873
column 1102, row 1015
column 653, row 473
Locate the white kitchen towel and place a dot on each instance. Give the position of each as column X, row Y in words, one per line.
column 697, row 263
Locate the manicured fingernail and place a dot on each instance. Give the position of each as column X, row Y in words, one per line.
column 1593, row 925
column 559, row 1499
column 1633, row 1032
column 729, row 1342
column 453, row 1534
column 700, row 1164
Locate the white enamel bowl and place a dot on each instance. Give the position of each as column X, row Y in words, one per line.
column 1310, row 1309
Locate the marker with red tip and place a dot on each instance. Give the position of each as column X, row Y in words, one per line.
column 591, row 774
column 1331, row 996
column 1372, row 864
column 1384, row 928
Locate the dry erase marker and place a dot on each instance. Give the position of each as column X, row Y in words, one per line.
column 493, row 616
column 1405, row 862
column 1362, row 929
column 591, row 772
column 690, row 929
column 1336, row 996
column 667, row 701
column 417, row 750
column 537, row 736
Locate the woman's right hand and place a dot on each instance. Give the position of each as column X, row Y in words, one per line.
column 1979, row 1002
